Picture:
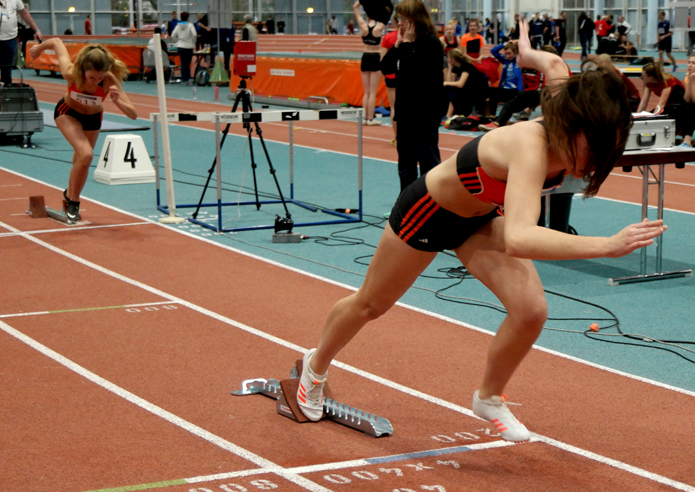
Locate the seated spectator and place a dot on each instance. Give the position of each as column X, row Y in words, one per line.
column 467, row 87
column 631, row 53
column 472, row 42
column 449, row 41
column 669, row 90
column 689, row 98
column 607, row 44
column 526, row 100
column 152, row 74
column 633, row 93
column 511, row 81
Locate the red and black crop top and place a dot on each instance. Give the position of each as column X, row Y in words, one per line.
column 87, row 99
column 480, row 184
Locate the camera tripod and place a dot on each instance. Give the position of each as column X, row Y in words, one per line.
column 244, row 97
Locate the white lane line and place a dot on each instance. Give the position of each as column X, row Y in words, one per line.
column 619, row 175
column 399, row 387
column 72, row 228
column 160, row 412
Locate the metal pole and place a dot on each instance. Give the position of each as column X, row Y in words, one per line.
column 660, row 216
column 359, row 159
column 218, row 156
column 155, row 137
column 291, row 160
column 645, row 215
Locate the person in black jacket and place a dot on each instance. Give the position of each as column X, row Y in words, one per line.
column 585, row 27
column 416, row 59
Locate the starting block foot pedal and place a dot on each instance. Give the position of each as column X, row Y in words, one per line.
column 37, row 207
column 285, row 392
column 39, row 210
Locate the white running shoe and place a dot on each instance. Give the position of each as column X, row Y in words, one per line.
column 494, row 410
column 310, row 392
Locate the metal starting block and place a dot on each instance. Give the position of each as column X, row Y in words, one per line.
column 338, row 412
column 38, row 210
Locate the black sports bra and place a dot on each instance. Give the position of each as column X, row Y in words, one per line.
column 370, row 39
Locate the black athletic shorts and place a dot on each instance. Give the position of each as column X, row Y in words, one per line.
column 422, row 224
column 665, row 44
column 390, row 83
column 89, row 122
column 371, row 62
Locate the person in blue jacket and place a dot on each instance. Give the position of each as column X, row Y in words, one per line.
column 511, row 81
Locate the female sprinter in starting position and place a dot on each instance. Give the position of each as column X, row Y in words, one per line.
column 94, row 75
column 456, row 206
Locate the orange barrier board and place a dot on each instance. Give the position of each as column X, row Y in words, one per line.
column 130, row 55
column 340, row 81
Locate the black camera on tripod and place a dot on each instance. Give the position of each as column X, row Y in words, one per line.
column 283, row 224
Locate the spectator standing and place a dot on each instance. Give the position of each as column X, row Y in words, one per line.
column 387, row 42
column 281, row 25
column 351, row 27
column 472, row 42
column 270, row 25
column 561, row 33
column 171, row 25
column 249, row 32
column 227, row 40
column 416, row 59
column 601, row 29
column 202, row 30
column 185, row 36
column 488, row 31
column 8, row 35
column 611, row 25
column 623, row 27
column 664, row 39
column 330, row 26
column 514, row 31
column 548, row 30
column 88, row 25
column 537, row 27
column 585, row 27
column 370, row 65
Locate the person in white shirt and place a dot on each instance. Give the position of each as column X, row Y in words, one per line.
column 185, row 36
column 9, row 9
column 623, row 27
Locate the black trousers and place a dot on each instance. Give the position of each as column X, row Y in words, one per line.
column 497, row 94
column 417, row 142
column 186, row 56
column 523, row 100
